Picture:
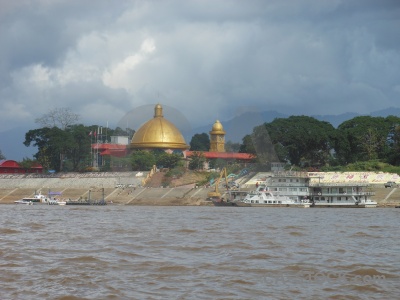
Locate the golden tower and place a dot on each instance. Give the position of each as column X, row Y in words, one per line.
column 217, row 138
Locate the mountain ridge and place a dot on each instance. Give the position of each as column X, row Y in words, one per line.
column 243, row 124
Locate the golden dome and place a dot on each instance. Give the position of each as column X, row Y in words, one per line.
column 158, row 133
column 217, row 128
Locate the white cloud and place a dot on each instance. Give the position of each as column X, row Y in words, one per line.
column 118, row 76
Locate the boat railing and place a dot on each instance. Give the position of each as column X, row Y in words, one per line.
column 290, row 174
column 359, row 193
column 338, row 184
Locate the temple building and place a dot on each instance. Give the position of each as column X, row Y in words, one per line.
column 159, row 133
column 217, row 148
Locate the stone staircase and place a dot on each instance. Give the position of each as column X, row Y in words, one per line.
column 155, row 180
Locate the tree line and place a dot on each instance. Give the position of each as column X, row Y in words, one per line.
column 300, row 141
column 307, row 142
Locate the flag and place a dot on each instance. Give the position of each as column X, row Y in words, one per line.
column 95, row 134
column 90, row 133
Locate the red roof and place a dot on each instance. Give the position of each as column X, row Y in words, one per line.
column 109, row 146
column 223, row 155
column 111, row 149
column 9, row 163
column 11, row 166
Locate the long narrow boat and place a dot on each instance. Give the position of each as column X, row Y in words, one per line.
column 223, row 202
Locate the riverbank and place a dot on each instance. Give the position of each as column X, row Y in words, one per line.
column 125, row 188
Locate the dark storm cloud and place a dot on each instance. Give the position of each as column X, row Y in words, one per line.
column 205, row 58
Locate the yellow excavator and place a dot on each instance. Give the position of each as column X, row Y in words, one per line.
column 216, row 194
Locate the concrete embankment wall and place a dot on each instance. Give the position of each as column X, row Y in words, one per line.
column 81, row 187
column 70, row 180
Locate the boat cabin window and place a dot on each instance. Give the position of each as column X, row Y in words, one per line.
column 317, row 190
column 322, row 198
column 274, row 202
column 269, row 201
column 256, row 201
column 279, row 201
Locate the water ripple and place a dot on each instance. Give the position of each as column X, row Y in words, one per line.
column 128, row 252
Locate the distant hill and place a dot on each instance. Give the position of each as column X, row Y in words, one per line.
column 241, row 125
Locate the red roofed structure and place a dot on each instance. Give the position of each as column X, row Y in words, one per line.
column 223, row 155
column 13, row 167
column 116, row 150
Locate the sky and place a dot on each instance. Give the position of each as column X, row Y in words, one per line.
column 207, row 59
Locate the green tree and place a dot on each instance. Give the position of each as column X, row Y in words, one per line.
column 142, row 160
column 48, row 155
column 167, row 160
column 27, row 163
column 394, row 143
column 247, row 145
column 58, row 148
column 2, row 156
column 303, row 140
column 197, row 161
column 232, row 147
column 200, row 142
column 78, row 151
column 54, row 140
column 218, row 163
column 364, row 138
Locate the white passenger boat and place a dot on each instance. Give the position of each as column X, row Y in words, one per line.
column 40, row 199
column 350, row 195
column 299, row 186
column 262, row 196
column 36, row 198
column 25, row 202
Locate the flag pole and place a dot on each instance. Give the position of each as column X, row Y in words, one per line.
column 97, row 150
column 106, row 131
column 91, row 148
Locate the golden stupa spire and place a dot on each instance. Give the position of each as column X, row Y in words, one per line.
column 158, row 111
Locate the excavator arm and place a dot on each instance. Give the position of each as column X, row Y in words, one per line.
column 216, row 193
